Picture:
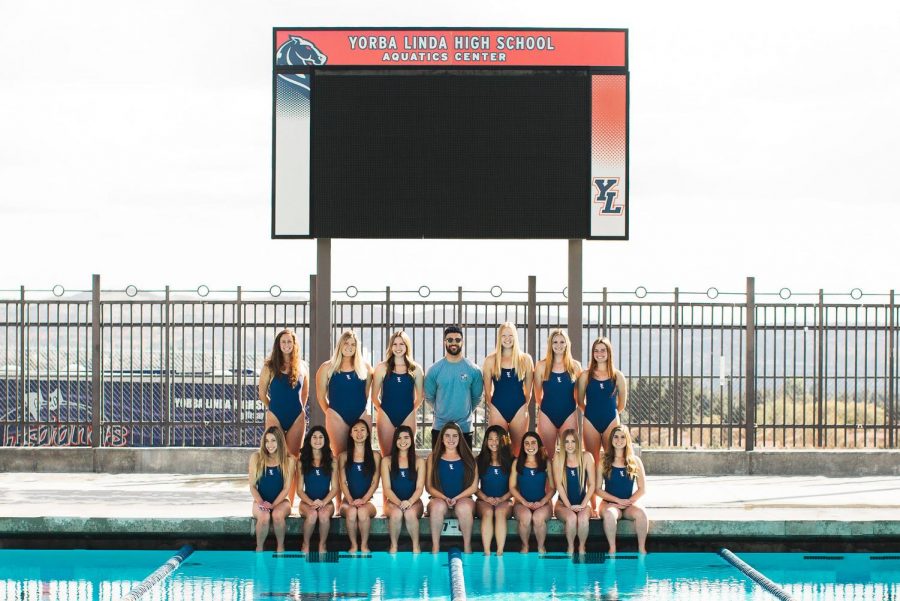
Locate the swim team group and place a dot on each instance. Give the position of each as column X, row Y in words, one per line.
column 592, row 473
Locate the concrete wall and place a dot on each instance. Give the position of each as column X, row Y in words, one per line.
column 657, row 461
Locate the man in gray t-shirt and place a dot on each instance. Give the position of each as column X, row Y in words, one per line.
column 453, row 386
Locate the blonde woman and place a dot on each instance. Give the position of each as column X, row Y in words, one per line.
column 554, row 389
column 269, row 474
column 573, row 472
column 622, row 474
column 282, row 391
column 602, row 395
column 397, row 390
column 508, row 375
column 343, row 384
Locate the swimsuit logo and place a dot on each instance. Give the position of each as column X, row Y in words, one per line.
column 601, row 385
column 271, row 471
column 358, row 468
column 559, row 379
column 450, row 465
column 532, row 472
column 464, row 377
column 509, row 374
column 496, row 471
column 348, row 376
column 398, row 379
column 317, row 473
column 403, row 473
column 607, row 194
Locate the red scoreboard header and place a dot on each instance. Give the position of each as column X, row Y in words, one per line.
column 457, row 48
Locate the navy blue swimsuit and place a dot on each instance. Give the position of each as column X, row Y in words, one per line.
column 619, row 484
column 347, row 395
column 284, row 401
column 600, row 403
column 403, row 483
column 398, row 392
column 495, row 481
column 509, row 394
column 533, row 484
column 316, row 483
column 357, row 480
column 271, row 483
column 558, row 402
column 452, row 475
column 574, row 489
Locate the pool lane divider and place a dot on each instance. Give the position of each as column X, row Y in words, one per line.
column 159, row 574
column 457, row 582
column 754, row 575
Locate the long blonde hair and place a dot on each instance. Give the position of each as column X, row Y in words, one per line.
column 520, row 361
column 568, row 361
column 411, row 365
column 610, row 365
column 337, row 356
column 281, row 454
column 560, row 458
column 276, row 361
column 609, row 454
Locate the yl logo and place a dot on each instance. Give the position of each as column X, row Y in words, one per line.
column 358, row 468
column 559, row 379
column 607, row 195
column 399, row 380
column 532, row 472
column 509, row 374
column 601, row 386
column 348, row 376
column 403, row 473
column 271, row 471
column 450, row 465
column 496, row 471
column 318, row 473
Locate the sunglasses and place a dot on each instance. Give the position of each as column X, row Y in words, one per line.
column 453, row 340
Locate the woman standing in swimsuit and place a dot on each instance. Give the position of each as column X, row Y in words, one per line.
column 602, row 394
column 554, row 389
column 397, row 390
column 343, row 384
column 282, row 391
column 508, row 374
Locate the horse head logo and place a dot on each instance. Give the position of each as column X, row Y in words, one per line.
column 298, row 52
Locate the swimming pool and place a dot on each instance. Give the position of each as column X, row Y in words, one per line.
column 246, row 576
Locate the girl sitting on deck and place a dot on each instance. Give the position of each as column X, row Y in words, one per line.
column 452, row 479
column 531, row 484
column 494, row 499
column 270, row 471
column 573, row 470
column 318, row 485
column 622, row 474
column 403, row 481
column 359, row 469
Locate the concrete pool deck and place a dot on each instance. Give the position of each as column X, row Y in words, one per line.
column 214, row 510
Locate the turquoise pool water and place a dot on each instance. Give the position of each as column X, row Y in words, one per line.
column 246, row 576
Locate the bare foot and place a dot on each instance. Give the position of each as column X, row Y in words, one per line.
column 499, row 552
column 435, row 549
column 259, row 549
column 353, row 548
column 416, row 549
column 524, row 549
column 322, row 548
column 542, row 550
column 570, row 551
column 487, row 553
column 467, row 548
column 393, row 549
column 279, row 549
column 642, row 551
column 365, row 550
column 612, row 550
column 304, row 548
column 581, row 550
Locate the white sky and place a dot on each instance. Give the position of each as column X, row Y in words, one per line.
column 135, row 142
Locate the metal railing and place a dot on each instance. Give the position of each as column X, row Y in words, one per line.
column 180, row 368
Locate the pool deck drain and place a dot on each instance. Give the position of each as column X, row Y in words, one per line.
column 680, row 507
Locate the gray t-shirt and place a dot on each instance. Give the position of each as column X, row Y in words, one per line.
column 454, row 389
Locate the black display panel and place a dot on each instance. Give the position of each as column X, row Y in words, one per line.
column 450, row 154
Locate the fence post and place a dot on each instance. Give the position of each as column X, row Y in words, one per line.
column 167, row 369
column 316, row 417
column 532, row 343
column 459, row 307
column 750, row 367
column 820, row 371
column 605, row 307
column 96, row 363
column 238, row 365
column 892, row 374
column 676, row 380
column 387, row 318
column 23, row 364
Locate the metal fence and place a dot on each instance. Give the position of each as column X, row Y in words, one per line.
column 179, row 368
